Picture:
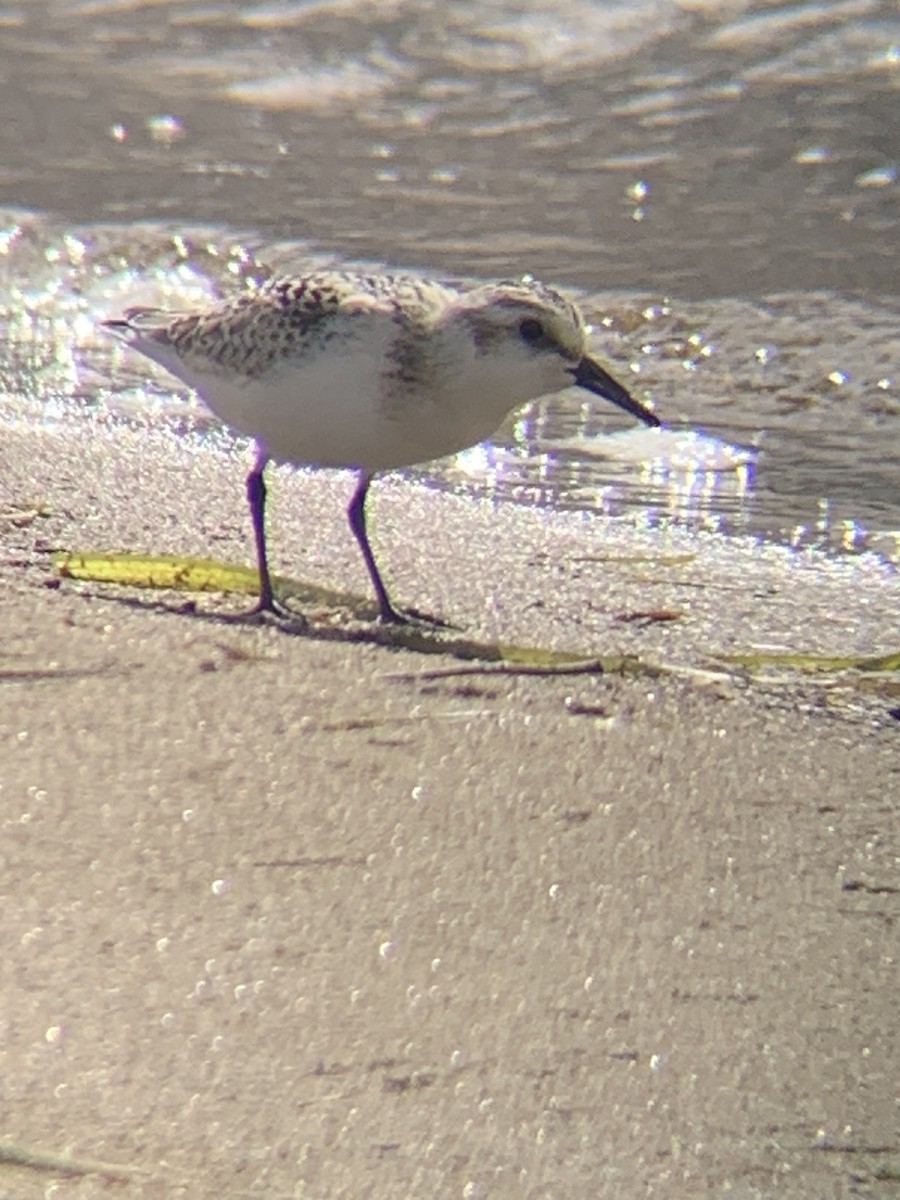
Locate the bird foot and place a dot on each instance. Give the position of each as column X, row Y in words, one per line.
column 268, row 609
column 412, row 617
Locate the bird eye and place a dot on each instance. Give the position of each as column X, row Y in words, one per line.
column 531, row 330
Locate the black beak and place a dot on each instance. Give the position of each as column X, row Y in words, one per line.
column 589, row 374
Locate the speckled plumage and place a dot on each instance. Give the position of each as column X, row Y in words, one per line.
column 371, row 371
column 291, row 319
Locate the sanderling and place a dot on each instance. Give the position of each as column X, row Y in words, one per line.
column 370, row 372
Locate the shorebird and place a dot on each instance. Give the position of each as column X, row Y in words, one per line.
column 370, row 372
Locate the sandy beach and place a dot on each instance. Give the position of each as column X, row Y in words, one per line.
column 287, row 916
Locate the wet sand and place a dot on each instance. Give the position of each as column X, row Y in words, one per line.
column 278, row 923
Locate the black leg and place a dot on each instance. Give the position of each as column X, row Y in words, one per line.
column 356, row 514
column 256, row 497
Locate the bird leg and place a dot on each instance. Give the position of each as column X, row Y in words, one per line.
column 356, row 514
column 256, row 498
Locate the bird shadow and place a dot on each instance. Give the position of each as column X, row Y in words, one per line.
column 323, row 614
column 358, row 624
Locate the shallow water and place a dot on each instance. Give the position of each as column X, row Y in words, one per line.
column 718, row 184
